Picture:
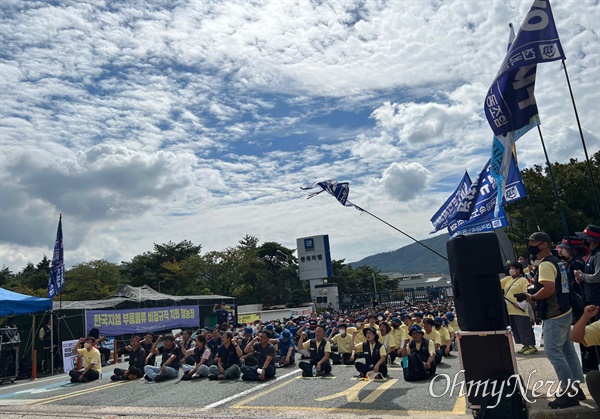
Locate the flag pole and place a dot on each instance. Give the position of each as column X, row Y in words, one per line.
column 400, row 231
column 562, row 214
column 587, row 158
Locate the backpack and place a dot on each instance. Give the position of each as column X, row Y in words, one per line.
column 512, row 407
column 413, row 368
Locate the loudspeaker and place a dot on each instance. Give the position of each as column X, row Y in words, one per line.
column 485, row 357
column 475, row 263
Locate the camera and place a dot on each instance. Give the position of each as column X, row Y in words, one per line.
column 521, row 296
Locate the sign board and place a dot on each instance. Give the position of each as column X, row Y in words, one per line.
column 69, row 360
column 314, row 257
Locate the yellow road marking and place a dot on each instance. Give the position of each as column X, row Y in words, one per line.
column 76, row 393
column 378, row 391
column 351, row 393
column 460, row 407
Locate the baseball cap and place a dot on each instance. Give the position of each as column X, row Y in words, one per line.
column 540, row 236
column 416, row 328
column 286, row 334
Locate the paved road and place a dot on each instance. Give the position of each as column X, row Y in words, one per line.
column 289, row 395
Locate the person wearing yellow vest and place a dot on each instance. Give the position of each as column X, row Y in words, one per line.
column 520, row 323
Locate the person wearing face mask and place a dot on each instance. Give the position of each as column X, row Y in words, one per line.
column 91, row 361
column 572, row 251
column 520, row 323
column 552, row 301
column 342, row 342
column 590, row 279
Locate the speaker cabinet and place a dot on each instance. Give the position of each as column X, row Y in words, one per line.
column 475, row 263
column 485, row 356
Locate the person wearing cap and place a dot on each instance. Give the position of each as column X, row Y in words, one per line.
column 589, row 335
column 520, row 322
column 91, row 361
column 286, row 349
column 421, row 346
column 319, row 350
column 446, row 346
column 572, row 250
column 341, row 341
column 170, row 361
column 590, row 279
column 373, row 352
column 552, row 301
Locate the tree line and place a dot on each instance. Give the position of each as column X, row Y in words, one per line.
column 253, row 273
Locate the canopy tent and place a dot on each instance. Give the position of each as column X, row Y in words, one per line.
column 13, row 303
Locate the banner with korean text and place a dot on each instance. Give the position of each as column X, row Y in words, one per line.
column 138, row 320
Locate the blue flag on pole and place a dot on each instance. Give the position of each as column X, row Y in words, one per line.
column 339, row 190
column 476, row 212
column 57, row 272
column 446, row 213
column 510, row 105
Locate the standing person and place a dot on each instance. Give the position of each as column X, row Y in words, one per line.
column 169, row 365
column 137, row 361
column 91, row 361
column 590, row 279
column 45, row 336
column 572, row 250
column 319, row 351
column 228, row 360
column 222, row 314
column 555, row 310
column 265, row 353
column 520, row 322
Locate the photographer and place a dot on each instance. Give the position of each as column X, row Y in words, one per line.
column 555, row 310
column 515, row 287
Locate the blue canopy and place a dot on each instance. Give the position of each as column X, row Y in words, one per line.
column 13, row 303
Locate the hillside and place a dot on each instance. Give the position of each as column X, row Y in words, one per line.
column 412, row 258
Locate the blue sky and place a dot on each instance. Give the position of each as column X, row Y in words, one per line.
column 144, row 122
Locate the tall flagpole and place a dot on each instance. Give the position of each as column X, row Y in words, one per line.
column 562, row 214
column 587, row 158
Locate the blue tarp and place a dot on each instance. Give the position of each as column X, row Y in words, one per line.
column 13, row 303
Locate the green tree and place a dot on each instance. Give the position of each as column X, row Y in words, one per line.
column 93, row 280
column 540, row 208
column 6, row 276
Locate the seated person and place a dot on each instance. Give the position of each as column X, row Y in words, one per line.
column 423, row 348
column 387, row 340
column 373, row 352
column 213, row 344
column 588, row 335
column 433, row 335
column 201, row 355
column 169, row 366
column 286, row 349
column 227, row 360
column 446, row 346
column 400, row 334
column 104, row 352
column 187, row 345
column 91, row 362
column 147, row 344
column 137, row 361
column 343, row 343
column 319, row 350
column 264, row 351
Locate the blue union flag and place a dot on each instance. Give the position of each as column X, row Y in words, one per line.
column 339, row 190
column 57, row 272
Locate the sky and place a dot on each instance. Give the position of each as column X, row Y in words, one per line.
column 147, row 122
